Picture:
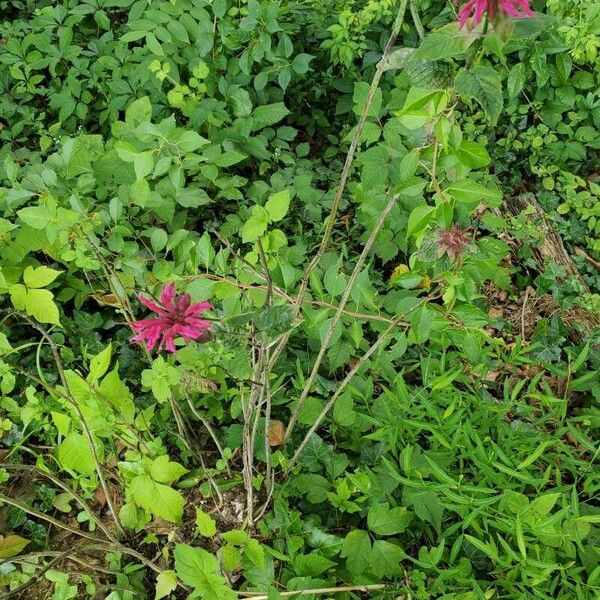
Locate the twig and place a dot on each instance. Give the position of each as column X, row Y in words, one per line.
column 208, row 428
column 38, row 575
column 523, row 309
column 49, row 519
column 417, row 19
column 71, row 399
column 345, row 172
column 330, row 590
column 342, row 386
column 338, row 314
column 581, row 252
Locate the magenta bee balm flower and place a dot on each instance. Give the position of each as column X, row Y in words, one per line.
column 177, row 318
column 475, row 9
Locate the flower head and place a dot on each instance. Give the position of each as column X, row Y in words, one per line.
column 176, row 318
column 475, row 9
column 452, row 241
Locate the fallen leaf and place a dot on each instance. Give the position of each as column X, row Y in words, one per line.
column 276, row 433
column 11, row 545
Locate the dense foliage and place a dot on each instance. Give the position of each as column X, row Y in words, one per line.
column 352, row 373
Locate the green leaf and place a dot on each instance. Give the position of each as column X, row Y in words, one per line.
column 472, row 193
column 143, row 163
column 267, row 115
column 277, row 205
column 39, row 277
column 37, row 303
column 166, row 582
column 515, row 80
column 37, row 217
column 74, row 453
column 139, row 111
column 256, row 225
column 419, row 219
column 383, row 520
column 12, row 545
column 472, row 155
column 445, row 42
column 165, row 471
column 385, row 559
column 356, row 549
column 158, row 499
column 206, row 525
column 200, row 569
column 484, row 85
column 99, row 364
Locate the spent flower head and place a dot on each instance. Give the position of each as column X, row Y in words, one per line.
column 452, row 241
column 177, row 318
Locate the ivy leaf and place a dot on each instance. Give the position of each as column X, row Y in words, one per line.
column 484, row 85
column 385, row 559
column 158, row 499
column 383, row 520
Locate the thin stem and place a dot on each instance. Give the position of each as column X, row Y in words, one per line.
column 417, row 19
column 60, row 484
column 338, row 314
column 330, row 590
column 49, row 519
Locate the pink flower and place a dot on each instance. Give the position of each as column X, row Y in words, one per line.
column 176, row 318
column 475, row 9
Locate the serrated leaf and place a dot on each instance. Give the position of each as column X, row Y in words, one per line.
column 356, row 549
column 166, row 582
column 158, row 499
column 206, row 525
column 483, row 85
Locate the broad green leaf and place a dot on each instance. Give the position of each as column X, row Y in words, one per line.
column 206, row 525
column 445, row 42
column 267, row 115
column 143, row 163
column 199, row 569
column 256, row 225
column 419, row 219
column 160, row 500
column 385, row 559
column 37, row 217
column 39, row 277
column 37, row 303
column 472, row 155
column 12, row 545
column 165, row 471
column 383, row 520
column 166, row 582
column 74, row 454
column 277, row 205
column 100, row 363
column 484, row 85
column 356, row 549
column 472, row 193
column 515, row 80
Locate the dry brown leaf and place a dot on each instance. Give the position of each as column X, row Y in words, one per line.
column 276, row 433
